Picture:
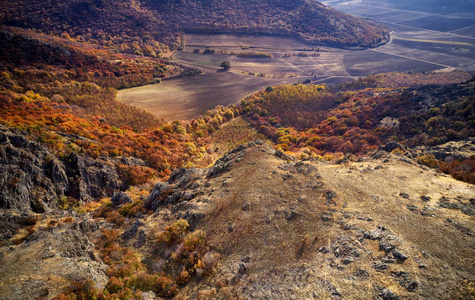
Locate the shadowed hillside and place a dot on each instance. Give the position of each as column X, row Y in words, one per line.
column 151, row 27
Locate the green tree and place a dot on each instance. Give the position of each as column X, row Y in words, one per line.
column 226, row 65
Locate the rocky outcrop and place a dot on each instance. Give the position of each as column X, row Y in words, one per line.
column 181, row 186
column 462, row 149
column 310, row 229
column 49, row 259
column 10, row 224
column 120, row 198
column 33, row 179
column 93, row 179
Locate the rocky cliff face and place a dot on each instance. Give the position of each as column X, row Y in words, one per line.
column 32, row 179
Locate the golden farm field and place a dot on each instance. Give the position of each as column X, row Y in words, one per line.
column 185, row 98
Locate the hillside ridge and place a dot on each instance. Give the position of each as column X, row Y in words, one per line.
column 151, row 27
column 356, row 229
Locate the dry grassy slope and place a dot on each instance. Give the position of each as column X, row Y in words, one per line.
column 258, row 213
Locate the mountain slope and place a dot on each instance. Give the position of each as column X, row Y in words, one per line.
column 381, row 228
column 149, row 27
column 309, row 20
column 310, row 230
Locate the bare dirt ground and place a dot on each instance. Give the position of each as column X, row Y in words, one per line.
column 421, row 41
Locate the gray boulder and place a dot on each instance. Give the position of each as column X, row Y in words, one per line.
column 120, row 198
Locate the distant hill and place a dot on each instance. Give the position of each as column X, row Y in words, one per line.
column 150, row 26
column 309, row 20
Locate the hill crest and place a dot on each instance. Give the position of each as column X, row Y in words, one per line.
column 301, row 230
column 149, row 26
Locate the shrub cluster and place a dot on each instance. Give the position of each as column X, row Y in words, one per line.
column 128, row 276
